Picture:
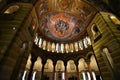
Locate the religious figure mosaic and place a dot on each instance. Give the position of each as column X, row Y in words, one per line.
column 61, row 26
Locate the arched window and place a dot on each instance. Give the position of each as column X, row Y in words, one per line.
column 53, row 47
column 108, row 56
column 80, row 43
column 62, row 48
column 40, row 42
column 49, row 46
column 57, row 47
column 12, row 9
column 44, row 44
column 71, row 47
column 67, row 48
column 114, row 19
column 76, row 46
column 95, row 31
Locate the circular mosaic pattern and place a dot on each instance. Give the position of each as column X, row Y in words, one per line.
column 61, row 26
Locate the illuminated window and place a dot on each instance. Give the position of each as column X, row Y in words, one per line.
column 85, row 43
column 53, row 47
column 12, row 9
column 66, row 48
column 40, row 42
column 80, row 45
column 71, row 47
column 114, row 19
column 108, row 56
column 44, row 45
column 62, row 48
column 76, row 46
column 48, row 46
column 57, row 47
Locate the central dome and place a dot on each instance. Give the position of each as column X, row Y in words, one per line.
column 61, row 26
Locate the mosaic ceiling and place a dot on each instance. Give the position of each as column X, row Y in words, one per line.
column 63, row 20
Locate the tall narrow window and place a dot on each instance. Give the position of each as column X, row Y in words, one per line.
column 57, row 47
column 80, row 45
column 85, row 43
column 44, row 45
column 62, row 48
column 66, row 48
column 49, row 46
column 71, row 47
column 53, row 47
column 108, row 56
column 40, row 42
column 76, row 46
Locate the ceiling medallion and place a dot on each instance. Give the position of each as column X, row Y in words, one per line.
column 61, row 26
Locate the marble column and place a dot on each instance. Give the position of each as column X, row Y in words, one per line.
column 89, row 68
column 76, row 63
column 33, row 59
column 42, row 71
column 65, row 64
column 54, row 64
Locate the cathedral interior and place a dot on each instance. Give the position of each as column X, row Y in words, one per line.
column 59, row 39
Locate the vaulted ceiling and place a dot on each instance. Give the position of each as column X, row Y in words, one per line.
column 64, row 20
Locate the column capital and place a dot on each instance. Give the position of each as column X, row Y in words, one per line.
column 44, row 61
column 65, row 63
column 33, row 59
column 76, row 63
column 54, row 63
column 87, row 61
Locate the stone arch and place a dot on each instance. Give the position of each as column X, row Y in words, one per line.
column 82, row 65
column 93, row 63
column 38, row 64
column 48, row 66
column 60, row 65
column 71, row 67
column 89, row 54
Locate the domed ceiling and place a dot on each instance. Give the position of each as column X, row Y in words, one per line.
column 63, row 20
